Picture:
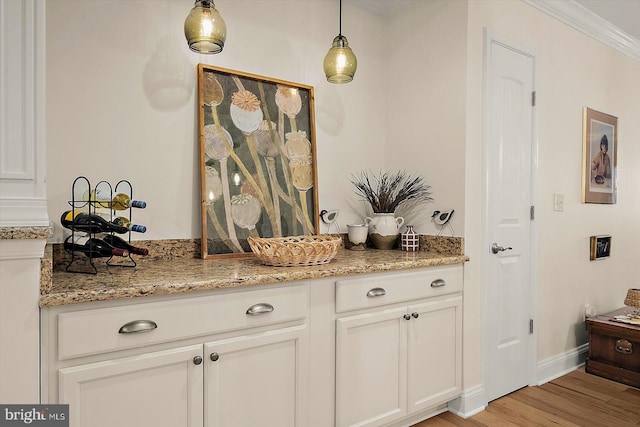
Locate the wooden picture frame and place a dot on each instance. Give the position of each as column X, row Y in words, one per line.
column 599, row 157
column 257, row 159
column 600, row 247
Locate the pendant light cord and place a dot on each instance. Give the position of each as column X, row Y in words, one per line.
column 340, row 20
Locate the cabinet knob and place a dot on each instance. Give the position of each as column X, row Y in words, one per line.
column 214, row 357
column 406, row 317
column 197, row 360
column 415, row 314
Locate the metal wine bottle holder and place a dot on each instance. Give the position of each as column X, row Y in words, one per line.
column 79, row 184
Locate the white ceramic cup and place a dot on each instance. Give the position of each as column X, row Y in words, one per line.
column 357, row 233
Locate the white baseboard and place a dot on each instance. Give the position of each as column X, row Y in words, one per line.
column 415, row 419
column 564, row 363
column 470, row 402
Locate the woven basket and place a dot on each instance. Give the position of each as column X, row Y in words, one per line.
column 633, row 298
column 295, row 251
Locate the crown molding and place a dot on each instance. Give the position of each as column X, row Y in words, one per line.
column 582, row 19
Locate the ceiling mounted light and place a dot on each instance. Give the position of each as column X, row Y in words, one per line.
column 204, row 28
column 340, row 63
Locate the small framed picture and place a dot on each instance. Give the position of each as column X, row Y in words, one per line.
column 599, row 157
column 600, row 247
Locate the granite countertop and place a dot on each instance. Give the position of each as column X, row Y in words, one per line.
column 192, row 274
column 24, row 233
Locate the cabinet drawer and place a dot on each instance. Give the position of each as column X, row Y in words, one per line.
column 82, row 333
column 374, row 291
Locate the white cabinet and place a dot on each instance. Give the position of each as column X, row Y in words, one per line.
column 434, row 356
column 160, row 389
column 371, row 368
column 395, row 362
column 257, row 380
column 224, row 360
column 380, row 349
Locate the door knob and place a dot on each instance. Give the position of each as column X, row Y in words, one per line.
column 197, row 360
column 406, row 317
column 495, row 248
column 415, row 314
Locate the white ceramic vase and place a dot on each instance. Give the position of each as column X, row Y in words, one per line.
column 384, row 229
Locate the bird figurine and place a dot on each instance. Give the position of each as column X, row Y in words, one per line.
column 330, row 218
column 443, row 218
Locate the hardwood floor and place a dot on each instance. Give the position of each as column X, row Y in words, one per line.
column 575, row 399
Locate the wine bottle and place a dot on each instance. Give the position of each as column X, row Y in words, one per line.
column 118, row 242
column 120, row 201
column 82, row 221
column 124, row 222
column 92, row 247
column 100, row 198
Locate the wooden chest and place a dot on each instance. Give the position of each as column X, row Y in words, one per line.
column 614, row 349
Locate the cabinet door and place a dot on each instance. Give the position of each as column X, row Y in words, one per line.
column 434, row 352
column 150, row 390
column 257, row 380
column 371, row 368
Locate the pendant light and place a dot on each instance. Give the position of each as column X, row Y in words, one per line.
column 340, row 62
column 204, row 28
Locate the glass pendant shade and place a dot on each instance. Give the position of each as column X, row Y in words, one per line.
column 204, row 28
column 340, row 62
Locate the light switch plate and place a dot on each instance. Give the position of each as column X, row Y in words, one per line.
column 558, row 202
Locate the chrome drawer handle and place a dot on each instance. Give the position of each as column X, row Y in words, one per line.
column 376, row 292
column 138, row 326
column 624, row 346
column 261, row 308
column 438, row 283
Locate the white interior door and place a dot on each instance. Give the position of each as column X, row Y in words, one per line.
column 508, row 171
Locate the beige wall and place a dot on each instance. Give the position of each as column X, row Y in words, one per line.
column 426, row 47
column 574, row 71
column 121, row 104
column 121, row 94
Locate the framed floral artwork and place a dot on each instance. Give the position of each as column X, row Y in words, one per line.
column 257, row 159
column 599, row 157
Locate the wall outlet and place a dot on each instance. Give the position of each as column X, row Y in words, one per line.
column 558, row 202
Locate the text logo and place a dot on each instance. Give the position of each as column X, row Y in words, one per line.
column 34, row 415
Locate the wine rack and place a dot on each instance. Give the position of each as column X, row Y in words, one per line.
column 83, row 199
